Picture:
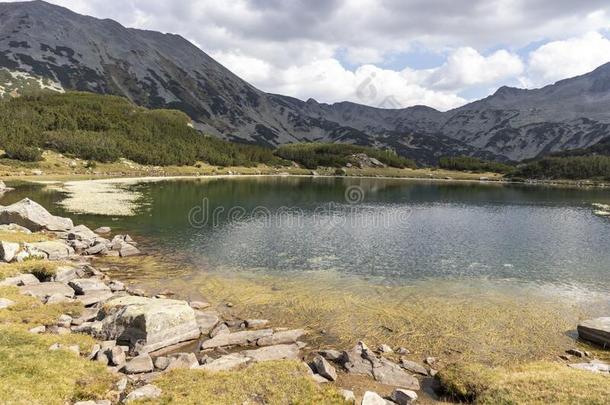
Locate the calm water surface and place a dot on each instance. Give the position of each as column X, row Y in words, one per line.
column 393, row 231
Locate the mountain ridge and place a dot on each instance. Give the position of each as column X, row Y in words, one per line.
column 161, row 70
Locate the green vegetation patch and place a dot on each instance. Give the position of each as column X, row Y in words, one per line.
column 105, row 128
column 532, row 383
column 42, row 269
column 314, row 155
column 277, row 382
column 568, row 168
column 465, row 163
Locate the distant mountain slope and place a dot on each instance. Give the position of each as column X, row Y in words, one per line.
column 165, row 70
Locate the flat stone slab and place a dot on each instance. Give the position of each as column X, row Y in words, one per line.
column 87, row 285
column 237, row 338
column 596, row 331
column 147, row 324
column 271, row 353
column 225, row 363
column 19, row 280
column 206, row 320
column 280, row 338
column 44, row 290
column 94, row 297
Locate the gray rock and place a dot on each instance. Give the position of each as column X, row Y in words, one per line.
column 576, row 352
column 182, row 360
column 19, row 280
column 225, row 363
column 283, row 337
column 64, row 321
column 372, row 398
column 95, row 297
column 161, row 363
column 96, row 249
column 385, row 349
column 127, row 250
column 115, row 286
column 38, row 329
column 6, row 303
column 140, row 364
column 116, row 356
column 206, row 320
column 413, row 367
column 103, row 230
column 319, row 379
column 220, row 329
column 199, row 305
column 593, row 366
column 596, row 331
column 331, row 354
column 15, row 229
column 8, row 251
column 53, row 250
column 84, row 286
column 324, row 368
column 58, row 298
column 430, row 361
column 361, row 360
column 150, row 323
column 33, row 216
column 146, row 392
column 44, row 290
column 237, row 338
column 256, row 323
column 348, row 396
column 82, row 233
column 270, row 353
column 65, row 274
column 390, row 373
column 404, row 397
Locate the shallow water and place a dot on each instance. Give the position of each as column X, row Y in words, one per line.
column 486, row 272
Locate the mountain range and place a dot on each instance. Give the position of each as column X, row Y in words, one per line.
column 70, row 51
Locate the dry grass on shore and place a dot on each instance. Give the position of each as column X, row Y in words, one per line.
column 42, row 269
column 532, row 383
column 275, row 382
column 32, row 374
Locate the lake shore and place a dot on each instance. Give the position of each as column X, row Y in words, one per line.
column 333, row 318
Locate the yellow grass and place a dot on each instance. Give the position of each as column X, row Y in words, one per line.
column 532, row 383
column 42, row 269
column 278, row 382
column 29, row 311
column 20, row 237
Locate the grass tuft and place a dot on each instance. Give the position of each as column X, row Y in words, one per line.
column 531, row 383
column 277, row 382
column 42, row 269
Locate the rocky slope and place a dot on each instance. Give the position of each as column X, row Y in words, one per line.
column 165, row 70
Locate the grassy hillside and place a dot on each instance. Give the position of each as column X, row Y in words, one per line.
column 313, row 155
column 105, row 128
column 569, row 168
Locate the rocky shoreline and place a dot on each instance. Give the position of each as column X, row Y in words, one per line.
column 141, row 337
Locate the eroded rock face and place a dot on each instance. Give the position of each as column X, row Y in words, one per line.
column 33, row 216
column 596, row 331
column 147, row 324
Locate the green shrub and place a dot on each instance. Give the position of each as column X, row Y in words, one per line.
column 466, row 163
column 313, row 155
column 23, row 153
column 570, row 168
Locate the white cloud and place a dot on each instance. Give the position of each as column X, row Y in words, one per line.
column 562, row 59
column 466, row 67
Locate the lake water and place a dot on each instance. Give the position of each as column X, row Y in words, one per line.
column 392, row 231
column 486, row 272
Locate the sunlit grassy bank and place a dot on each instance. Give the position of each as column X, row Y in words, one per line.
column 32, row 374
column 276, row 382
column 533, row 383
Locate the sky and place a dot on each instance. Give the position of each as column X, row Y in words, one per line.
column 384, row 53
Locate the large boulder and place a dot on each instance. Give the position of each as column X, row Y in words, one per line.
column 596, row 331
column 33, row 216
column 147, row 324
